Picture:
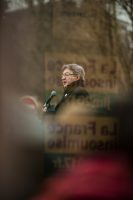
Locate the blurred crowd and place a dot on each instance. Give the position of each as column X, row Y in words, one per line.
column 107, row 175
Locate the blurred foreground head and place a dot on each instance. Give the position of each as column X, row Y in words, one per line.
column 77, row 113
column 21, row 150
column 126, row 126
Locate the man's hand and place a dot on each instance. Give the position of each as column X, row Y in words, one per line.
column 44, row 108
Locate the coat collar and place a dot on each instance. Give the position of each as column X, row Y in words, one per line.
column 73, row 85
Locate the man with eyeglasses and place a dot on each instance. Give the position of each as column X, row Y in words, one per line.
column 73, row 80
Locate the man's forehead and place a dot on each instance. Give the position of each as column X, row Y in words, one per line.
column 67, row 70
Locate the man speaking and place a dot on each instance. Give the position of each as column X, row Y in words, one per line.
column 73, row 80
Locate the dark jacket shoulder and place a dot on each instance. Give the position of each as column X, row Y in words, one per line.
column 74, row 92
column 80, row 91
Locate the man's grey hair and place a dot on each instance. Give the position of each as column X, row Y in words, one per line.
column 76, row 69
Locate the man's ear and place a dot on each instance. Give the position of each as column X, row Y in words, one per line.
column 78, row 77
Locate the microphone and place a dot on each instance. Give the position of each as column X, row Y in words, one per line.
column 53, row 93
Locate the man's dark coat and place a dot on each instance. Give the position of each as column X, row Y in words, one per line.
column 73, row 93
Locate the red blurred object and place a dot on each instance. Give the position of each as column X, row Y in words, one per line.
column 106, row 177
column 30, row 101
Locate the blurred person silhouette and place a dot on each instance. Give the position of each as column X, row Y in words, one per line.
column 73, row 80
column 100, row 176
column 21, row 150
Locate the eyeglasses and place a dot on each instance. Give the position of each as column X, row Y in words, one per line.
column 67, row 74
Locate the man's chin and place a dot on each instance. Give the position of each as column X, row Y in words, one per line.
column 65, row 85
